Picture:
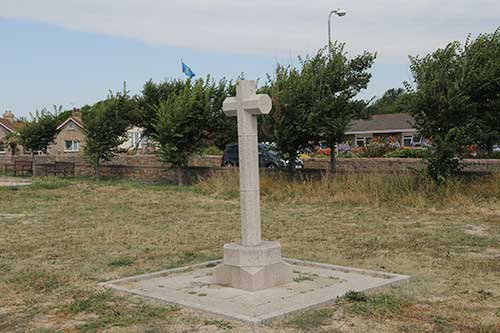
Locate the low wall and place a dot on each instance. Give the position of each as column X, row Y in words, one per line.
column 147, row 168
column 394, row 164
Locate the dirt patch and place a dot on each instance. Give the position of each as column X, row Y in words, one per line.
column 14, row 182
column 476, row 230
column 490, row 253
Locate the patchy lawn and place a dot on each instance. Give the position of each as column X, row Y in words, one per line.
column 59, row 238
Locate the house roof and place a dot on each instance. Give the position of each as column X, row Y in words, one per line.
column 383, row 123
column 7, row 125
column 74, row 119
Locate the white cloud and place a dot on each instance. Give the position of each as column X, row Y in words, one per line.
column 270, row 27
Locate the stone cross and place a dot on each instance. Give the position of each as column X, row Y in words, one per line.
column 246, row 106
column 252, row 264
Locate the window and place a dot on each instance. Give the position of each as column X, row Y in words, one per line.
column 362, row 141
column 136, row 138
column 71, row 126
column 2, row 148
column 71, row 145
column 407, row 140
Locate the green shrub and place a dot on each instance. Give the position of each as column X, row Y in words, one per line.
column 311, row 320
column 408, row 153
column 212, row 150
column 379, row 305
column 122, row 262
column 493, row 155
column 376, row 149
column 345, row 155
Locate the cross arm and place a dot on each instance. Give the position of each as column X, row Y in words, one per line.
column 260, row 104
column 230, row 106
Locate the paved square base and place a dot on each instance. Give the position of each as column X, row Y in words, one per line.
column 313, row 284
column 253, row 268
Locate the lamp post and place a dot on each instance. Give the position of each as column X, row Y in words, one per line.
column 340, row 13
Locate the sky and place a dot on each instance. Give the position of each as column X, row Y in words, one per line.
column 73, row 52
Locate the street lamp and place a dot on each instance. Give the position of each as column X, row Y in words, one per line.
column 338, row 12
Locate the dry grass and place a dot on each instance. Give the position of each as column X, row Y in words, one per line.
column 403, row 190
column 58, row 238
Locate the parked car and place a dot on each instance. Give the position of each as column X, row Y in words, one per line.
column 496, row 149
column 267, row 158
column 299, row 164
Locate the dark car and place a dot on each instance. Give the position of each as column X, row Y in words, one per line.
column 267, row 158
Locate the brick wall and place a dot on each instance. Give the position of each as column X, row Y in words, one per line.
column 148, row 168
column 393, row 164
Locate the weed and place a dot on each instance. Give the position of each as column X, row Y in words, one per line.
column 441, row 325
column 221, row 324
column 302, row 278
column 49, row 183
column 190, row 258
column 39, row 281
column 356, row 296
column 311, row 320
column 118, row 314
column 94, row 303
column 380, row 305
column 122, row 262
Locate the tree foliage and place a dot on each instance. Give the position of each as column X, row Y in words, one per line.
column 316, row 101
column 394, row 100
column 37, row 134
column 181, row 124
column 290, row 91
column 337, row 80
column 456, row 100
column 221, row 130
column 105, row 126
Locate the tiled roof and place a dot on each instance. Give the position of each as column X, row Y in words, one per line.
column 7, row 124
column 383, row 122
column 73, row 118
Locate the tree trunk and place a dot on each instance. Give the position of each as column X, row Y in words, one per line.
column 179, row 172
column 33, row 172
column 98, row 169
column 333, row 159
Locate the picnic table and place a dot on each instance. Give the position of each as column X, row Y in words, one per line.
column 64, row 169
column 20, row 167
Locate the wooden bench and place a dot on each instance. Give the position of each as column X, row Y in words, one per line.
column 21, row 167
column 64, row 169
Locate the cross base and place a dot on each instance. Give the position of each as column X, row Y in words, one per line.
column 253, row 268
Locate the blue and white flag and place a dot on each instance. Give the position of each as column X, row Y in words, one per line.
column 186, row 70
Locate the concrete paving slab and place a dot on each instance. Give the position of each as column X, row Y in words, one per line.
column 313, row 285
column 14, row 182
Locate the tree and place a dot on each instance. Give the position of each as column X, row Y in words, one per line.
column 181, row 124
column 287, row 124
column 11, row 142
column 336, row 80
column 37, row 134
column 394, row 100
column 105, row 126
column 456, row 100
column 152, row 95
column 222, row 129
column 482, row 86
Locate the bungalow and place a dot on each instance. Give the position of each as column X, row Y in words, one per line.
column 135, row 140
column 71, row 138
column 7, row 125
column 400, row 126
